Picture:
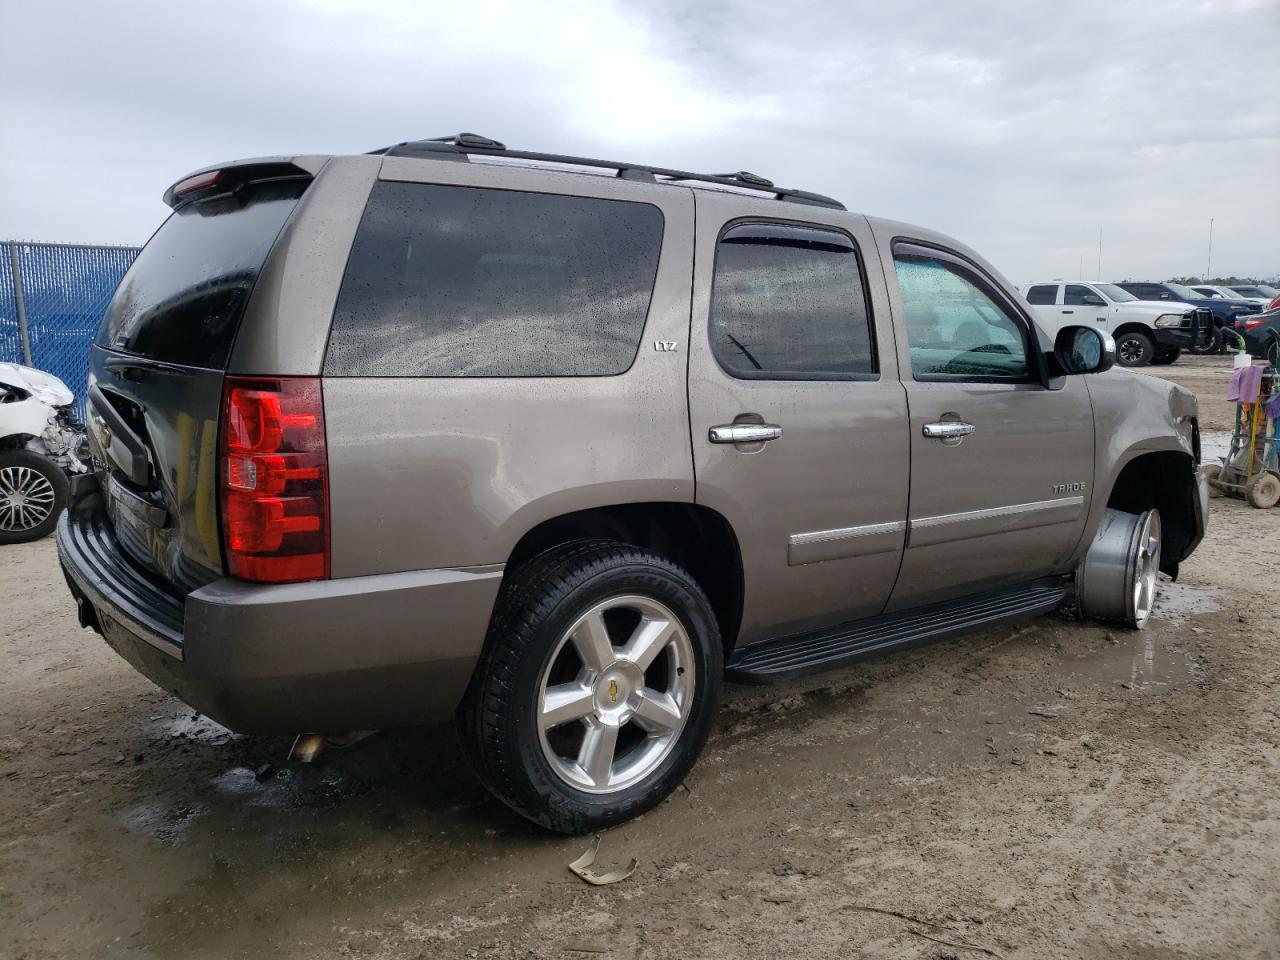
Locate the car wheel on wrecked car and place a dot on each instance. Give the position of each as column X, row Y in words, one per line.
column 597, row 686
column 1119, row 577
column 33, row 491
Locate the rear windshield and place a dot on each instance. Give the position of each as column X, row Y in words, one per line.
column 182, row 300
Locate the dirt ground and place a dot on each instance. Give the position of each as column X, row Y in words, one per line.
column 1053, row 789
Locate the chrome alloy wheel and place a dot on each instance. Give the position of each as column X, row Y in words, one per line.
column 615, row 694
column 1146, row 572
column 26, row 499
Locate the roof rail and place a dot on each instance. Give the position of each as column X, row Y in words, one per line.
column 459, row 146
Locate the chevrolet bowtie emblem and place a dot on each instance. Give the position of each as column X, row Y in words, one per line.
column 613, row 691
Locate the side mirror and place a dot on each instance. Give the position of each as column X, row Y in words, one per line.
column 1082, row 350
column 1092, row 300
column 1164, row 296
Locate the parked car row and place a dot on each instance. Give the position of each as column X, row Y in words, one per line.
column 1145, row 330
column 1225, row 312
column 1259, row 293
column 1151, row 322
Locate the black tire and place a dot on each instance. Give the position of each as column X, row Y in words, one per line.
column 1134, row 349
column 1166, row 357
column 13, row 464
column 538, row 604
column 1215, row 344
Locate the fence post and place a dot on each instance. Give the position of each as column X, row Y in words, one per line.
column 20, row 303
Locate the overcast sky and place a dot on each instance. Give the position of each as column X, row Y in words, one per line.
column 1019, row 127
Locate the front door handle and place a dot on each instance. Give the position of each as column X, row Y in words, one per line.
column 1068, row 311
column 948, row 430
column 744, row 433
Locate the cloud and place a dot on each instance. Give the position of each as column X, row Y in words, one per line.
column 1020, row 128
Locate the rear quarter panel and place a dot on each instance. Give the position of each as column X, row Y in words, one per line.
column 451, row 472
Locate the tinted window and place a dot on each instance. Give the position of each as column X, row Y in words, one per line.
column 1075, row 295
column 182, row 299
column 471, row 282
column 1042, row 294
column 957, row 326
column 1144, row 291
column 787, row 303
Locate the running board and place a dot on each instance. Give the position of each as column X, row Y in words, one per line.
column 803, row 653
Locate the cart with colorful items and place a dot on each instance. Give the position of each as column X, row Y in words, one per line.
column 1251, row 468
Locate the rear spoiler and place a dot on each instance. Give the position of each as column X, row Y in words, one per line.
column 224, row 179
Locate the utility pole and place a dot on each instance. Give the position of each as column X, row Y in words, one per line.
column 1081, row 273
column 1099, row 274
column 1209, row 262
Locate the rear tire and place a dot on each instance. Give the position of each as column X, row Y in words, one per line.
column 566, row 720
column 33, row 493
column 1134, row 349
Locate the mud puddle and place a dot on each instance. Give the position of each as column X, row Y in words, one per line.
column 1214, row 445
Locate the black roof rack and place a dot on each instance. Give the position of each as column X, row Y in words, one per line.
column 458, row 146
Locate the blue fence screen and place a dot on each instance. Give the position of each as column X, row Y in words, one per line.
column 60, row 291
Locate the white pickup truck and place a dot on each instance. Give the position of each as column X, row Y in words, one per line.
column 1145, row 331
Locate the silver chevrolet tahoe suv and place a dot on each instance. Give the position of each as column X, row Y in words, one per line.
column 552, row 446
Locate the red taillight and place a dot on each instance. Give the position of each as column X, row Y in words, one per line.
column 200, row 181
column 274, row 478
column 1249, row 324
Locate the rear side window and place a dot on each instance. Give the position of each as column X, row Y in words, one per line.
column 470, row 282
column 1043, row 294
column 182, row 299
column 788, row 303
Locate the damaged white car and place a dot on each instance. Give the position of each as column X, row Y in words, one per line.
column 42, row 444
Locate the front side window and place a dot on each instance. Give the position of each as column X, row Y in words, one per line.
column 1078, row 295
column 1043, row 294
column 958, row 327
column 447, row 281
column 788, row 303
column 1115, row 294
column 1144, row 291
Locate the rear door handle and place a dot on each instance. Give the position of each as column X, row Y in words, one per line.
column 744, row 433
column 948, row 430
column 1068, row 311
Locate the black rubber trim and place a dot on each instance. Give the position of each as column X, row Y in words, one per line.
column 797, row 655
column 94, row 557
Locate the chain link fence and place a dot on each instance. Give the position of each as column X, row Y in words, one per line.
column 52, row 296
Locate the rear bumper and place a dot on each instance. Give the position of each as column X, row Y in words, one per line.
column 360, row 653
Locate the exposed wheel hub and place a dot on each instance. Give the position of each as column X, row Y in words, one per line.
column 1119, row 576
